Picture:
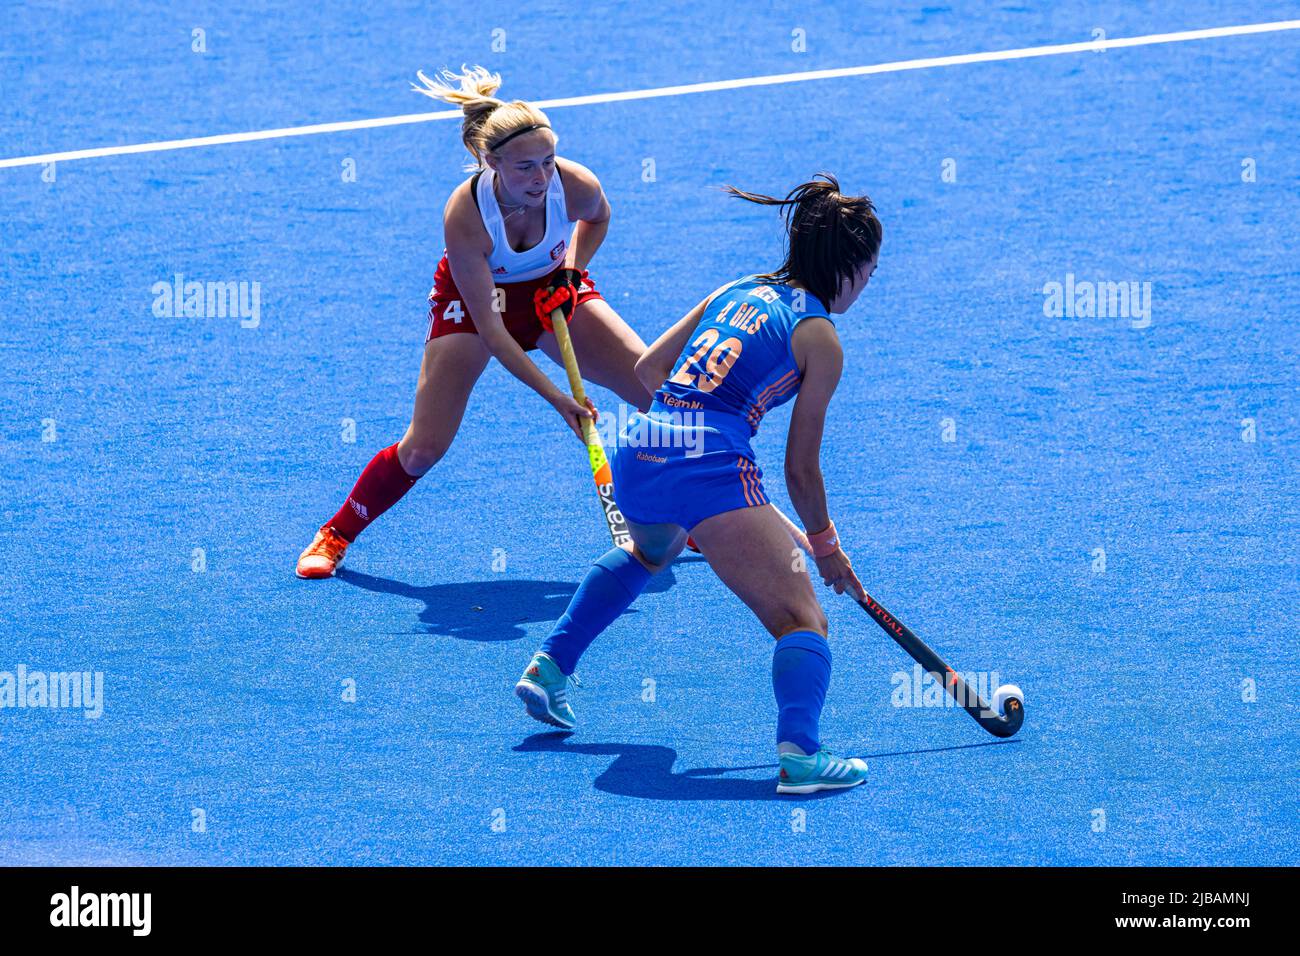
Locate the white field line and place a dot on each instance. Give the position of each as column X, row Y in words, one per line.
column 711, row 87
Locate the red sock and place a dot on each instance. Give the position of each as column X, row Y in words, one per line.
column 380, row 487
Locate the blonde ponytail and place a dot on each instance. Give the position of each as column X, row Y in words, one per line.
column 488, row 120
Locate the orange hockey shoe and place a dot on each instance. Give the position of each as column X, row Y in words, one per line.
column 324, row 555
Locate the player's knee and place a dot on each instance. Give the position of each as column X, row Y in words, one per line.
column 816, row 620
column 798, row 616
column 417, row 457
column 655, row 560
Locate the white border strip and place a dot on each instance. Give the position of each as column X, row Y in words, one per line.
column 772, row 80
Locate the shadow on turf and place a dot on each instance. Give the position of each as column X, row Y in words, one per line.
column 939, row 750
column 646, row 771
column 495, row 609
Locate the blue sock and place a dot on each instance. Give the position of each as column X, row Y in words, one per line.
column 610, row 587
column 801, row 672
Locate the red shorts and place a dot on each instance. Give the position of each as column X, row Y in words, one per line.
column 448, row 315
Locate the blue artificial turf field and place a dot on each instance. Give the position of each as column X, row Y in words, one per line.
column 1160, row 691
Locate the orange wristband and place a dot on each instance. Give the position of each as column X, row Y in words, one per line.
column 825, row 543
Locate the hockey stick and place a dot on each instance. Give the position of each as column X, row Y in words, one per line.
column 1001, row 718
column 600, row 471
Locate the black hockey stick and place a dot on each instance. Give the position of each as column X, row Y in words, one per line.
column 1002, row 718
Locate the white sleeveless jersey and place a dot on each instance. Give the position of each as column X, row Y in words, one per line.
column 540, row 260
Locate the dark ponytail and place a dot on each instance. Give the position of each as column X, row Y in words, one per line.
column 830, row 236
